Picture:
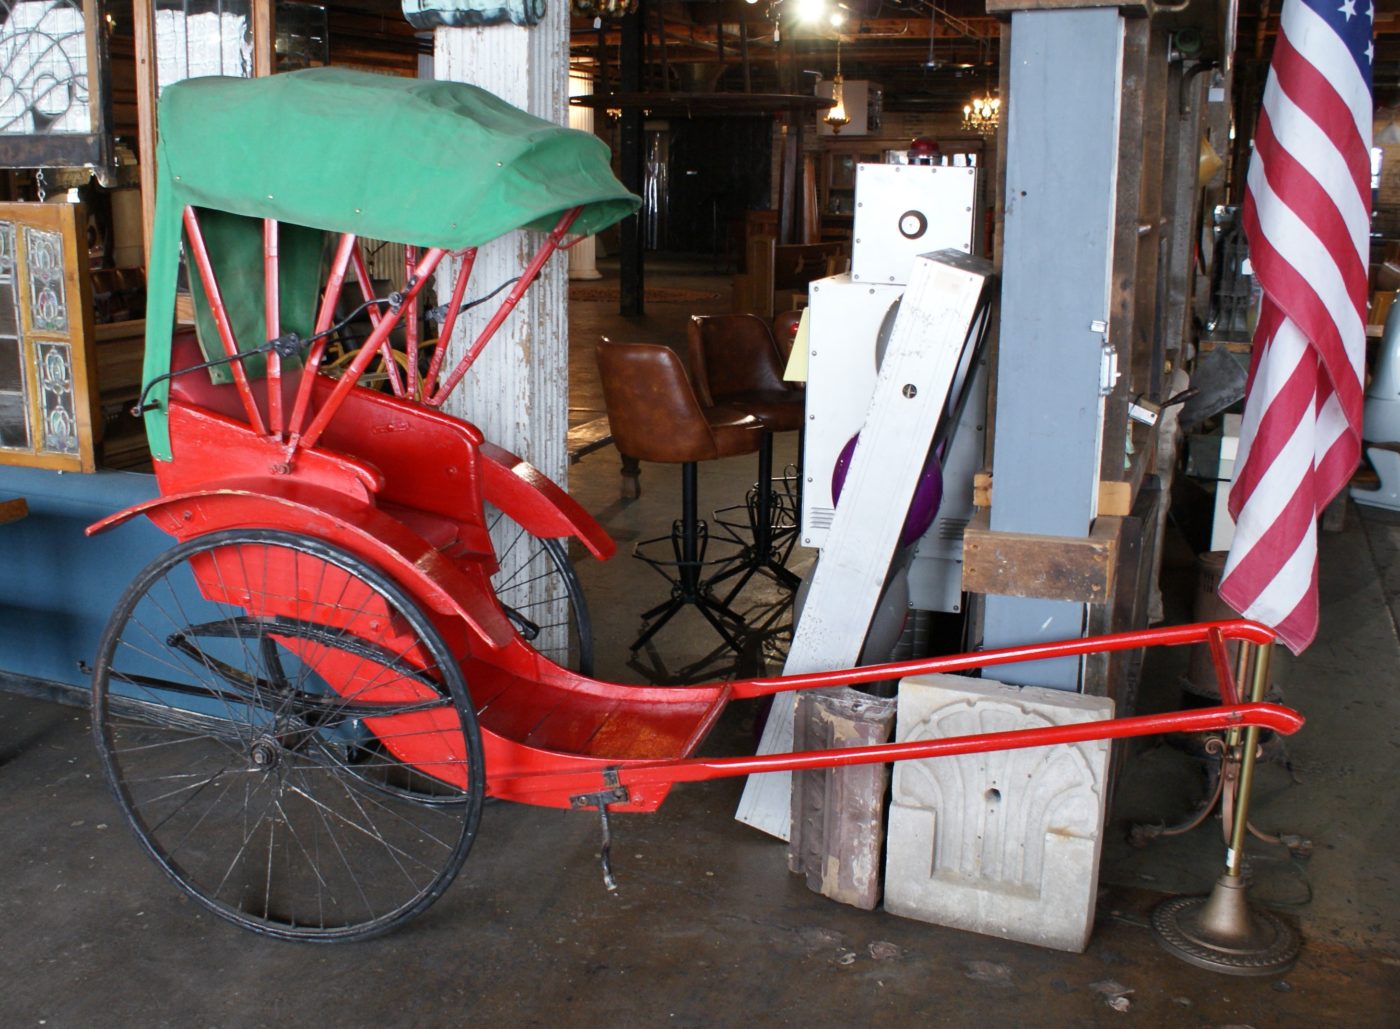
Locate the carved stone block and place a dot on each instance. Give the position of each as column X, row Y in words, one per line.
column 1005, row 843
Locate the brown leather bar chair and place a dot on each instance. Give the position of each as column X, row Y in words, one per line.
column 735, row 361
column 655, row 415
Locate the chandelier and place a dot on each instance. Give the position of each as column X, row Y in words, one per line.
column 598, row 8
column 982, row 114
column 836, row 116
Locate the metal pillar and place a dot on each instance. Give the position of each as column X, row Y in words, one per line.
column 632, row 154
column 583, row 256
column 1061, row 182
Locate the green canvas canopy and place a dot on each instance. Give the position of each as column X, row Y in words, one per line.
column 436, row 164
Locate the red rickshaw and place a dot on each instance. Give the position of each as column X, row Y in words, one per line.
column 303, row 704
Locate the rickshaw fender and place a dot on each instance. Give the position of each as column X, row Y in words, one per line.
column 535, row 501
column 360, row 528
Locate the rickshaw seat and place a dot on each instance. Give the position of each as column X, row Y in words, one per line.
column 438, row 499
column 563, row 712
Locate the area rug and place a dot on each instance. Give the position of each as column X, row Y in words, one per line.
column 653, row 294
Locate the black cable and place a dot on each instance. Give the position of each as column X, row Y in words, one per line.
column 286, row 345
column 439, row 314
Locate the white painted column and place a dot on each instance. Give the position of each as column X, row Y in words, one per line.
column 517, row 392
column 583, row 258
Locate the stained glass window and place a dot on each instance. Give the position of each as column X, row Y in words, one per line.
column 46, row 404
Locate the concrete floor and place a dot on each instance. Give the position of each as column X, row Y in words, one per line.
column 707, row 927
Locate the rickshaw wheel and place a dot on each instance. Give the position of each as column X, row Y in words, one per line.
column 565, row 636
column 289, row 735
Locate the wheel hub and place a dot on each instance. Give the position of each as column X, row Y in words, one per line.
column 264, row 753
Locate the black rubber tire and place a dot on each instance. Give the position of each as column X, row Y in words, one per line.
column 263, row 792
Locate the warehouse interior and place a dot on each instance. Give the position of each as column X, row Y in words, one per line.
column 1061, row 511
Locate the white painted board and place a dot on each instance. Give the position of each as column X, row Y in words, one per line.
column 910, row 399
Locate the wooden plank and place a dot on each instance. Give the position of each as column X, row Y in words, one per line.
column 1235, row 347
column 1021, row 564
column 110, row 331
column 910, row 396
column 82, row 352
column 1125, row 257
column 1148, row 346
column 264, row 38
column 1116, row 675
column 13, row 510
column 144, row 28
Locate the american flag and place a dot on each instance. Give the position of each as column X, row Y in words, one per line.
column 1307, row 214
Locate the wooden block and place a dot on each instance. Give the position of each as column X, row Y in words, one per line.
column 1115, row 498
column 1014, row 564
column 13, row 510
column 982, row 489
column 838, row 823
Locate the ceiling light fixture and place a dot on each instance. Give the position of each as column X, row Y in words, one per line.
column 837, row 116
column 982, row 114
column 598, row 8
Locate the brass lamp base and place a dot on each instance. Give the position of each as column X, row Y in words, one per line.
column 1223, row 933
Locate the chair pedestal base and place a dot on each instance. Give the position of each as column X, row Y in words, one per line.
column 689, row 541
column 771, row 544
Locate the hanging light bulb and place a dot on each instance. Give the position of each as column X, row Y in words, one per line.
column 837, row 116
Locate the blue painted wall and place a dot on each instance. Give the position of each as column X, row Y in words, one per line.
column 58, row 586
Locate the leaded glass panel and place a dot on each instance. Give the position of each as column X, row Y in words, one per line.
column 48, row 311
column 55, row 377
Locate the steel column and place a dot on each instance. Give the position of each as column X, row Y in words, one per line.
column 1061, row 183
